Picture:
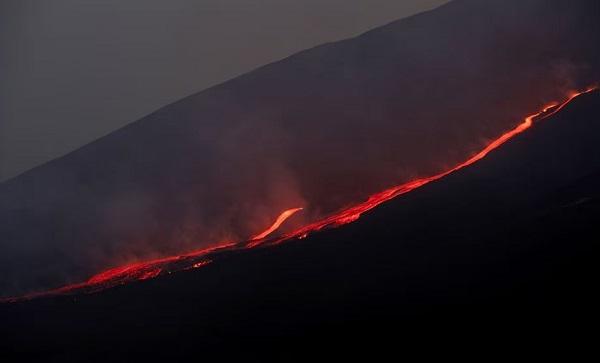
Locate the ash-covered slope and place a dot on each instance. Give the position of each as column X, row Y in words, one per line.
column 505, row 247
column 321, row 129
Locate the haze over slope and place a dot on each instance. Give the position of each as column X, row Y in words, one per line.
column 75, row 70
column 319, row 130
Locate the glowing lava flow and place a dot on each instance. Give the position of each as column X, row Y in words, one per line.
column 354, row 212
column 133, row 272
column 282, row 218
column 153, row 268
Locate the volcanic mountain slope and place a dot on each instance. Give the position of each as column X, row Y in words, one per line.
column 509, row 242
column 320, row 130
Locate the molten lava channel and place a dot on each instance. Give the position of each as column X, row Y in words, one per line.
column 153, row 268
column 278, row 222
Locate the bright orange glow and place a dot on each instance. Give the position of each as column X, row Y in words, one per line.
column 153, row 268
column 201, row 263
column 282, row 218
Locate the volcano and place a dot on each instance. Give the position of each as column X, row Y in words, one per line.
column 320, row 130
column 460, row 175
column 514, row 234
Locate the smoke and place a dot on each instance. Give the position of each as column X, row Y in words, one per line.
column 319, row 130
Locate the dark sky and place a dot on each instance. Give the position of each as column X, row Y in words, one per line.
column 73, row 70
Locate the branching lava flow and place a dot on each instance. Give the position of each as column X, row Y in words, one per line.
column 153, row 268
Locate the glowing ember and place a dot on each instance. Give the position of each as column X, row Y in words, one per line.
column 201, row 263
column 153, row 268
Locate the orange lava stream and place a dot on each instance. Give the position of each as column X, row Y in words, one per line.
column 282, row 218
column 153, row 268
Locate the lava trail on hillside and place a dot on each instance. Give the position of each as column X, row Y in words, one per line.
column 195, row 259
